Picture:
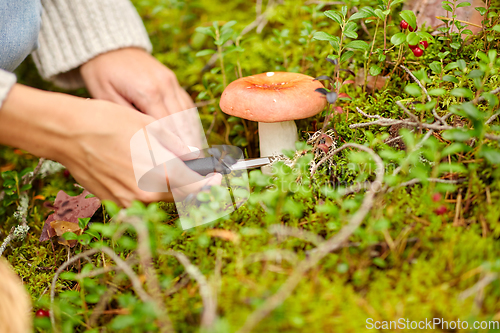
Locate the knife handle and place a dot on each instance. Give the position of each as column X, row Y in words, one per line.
column 207, row 165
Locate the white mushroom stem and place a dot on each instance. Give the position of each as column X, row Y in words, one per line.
column 274, row 137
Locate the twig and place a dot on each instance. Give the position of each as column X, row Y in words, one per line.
column 29, row 177
column 209, row 307
column 494, row 92
column 136, row 283
column 389, row 122
column 145, row 258
column 103, row 270
column 184, row 280
column 431, row 180
column 322, row 250
column 417, row 81
column 275, row 254
column 205, row 103
column 411, row 115
column 103, row 300
column 490, row 277
column 492, row 118
column 283, row 230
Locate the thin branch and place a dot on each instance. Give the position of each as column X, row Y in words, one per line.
column 209, row 305
column 275, row 254
column 490, row 277
column 136, row 283
column 145, row 258
column 492, row 118
column 417, row 81
column 183, row 281
column 322, row 250
column 283, row 230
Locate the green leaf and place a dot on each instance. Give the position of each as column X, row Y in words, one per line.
column 435, row 66
column 26, row 187
column 491, row 155
column 83, row 222
column 462, row 64
column 379, row 262
column 454, row 148
column 451, row 65
column 351, row 34
column 458, row 134
column 425, row 35
column 496, row 28
column 398, row 38
column 204, row 52
column 463, row 4
column 395, row 2
column 476, row 73
column 409, row 16
column 455, row 45
column 447, row 8
column 375, row 70
column 412, row 38
column 462, row 92
column 346, row 56
column 471, row 111
column 380, row 14
column 359, row 15
column 358, row 45
column 350, row 26
column 228, row 26
column 332, row 14
column 481, row 10
column 206, row 31
column 450, row 78
column 320, row 35
column 111, row 208
column 452, row 167
column 437, row 92
column 70, row 236
column 343, row 11
column 413, row 89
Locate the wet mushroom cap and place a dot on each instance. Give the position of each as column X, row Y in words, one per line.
column 273, row 97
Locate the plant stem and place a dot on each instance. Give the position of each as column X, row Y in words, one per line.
column 385, row 26
column 221, row 59
column 370, row 55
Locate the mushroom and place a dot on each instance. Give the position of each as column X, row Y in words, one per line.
column 275, row 100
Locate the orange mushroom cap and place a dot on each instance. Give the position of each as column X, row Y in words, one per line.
column 273, row 97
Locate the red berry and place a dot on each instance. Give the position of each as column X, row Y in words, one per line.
column 403, row 25
column 418, row 52
column 441, row 210
column 436, row 197
column 412, row 29
column 412, row 47
column 42, row 313
column 66, row 173
column 425, row 44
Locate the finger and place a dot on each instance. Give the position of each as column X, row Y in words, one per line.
column 164, row 142
column 113, row 96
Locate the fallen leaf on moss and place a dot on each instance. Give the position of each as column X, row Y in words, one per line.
column 69, row 209
column 61, row 227
column 224, row 234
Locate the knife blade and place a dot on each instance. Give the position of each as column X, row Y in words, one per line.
column 207, row 165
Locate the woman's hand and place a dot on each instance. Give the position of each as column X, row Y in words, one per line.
column 133, row 78
column 92, row 139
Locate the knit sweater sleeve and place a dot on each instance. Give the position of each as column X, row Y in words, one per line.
column 75, row 31
column 7, row 80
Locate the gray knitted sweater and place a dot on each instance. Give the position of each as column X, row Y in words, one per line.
column 75, row 31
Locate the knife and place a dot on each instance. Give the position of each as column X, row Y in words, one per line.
column 225, row 165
